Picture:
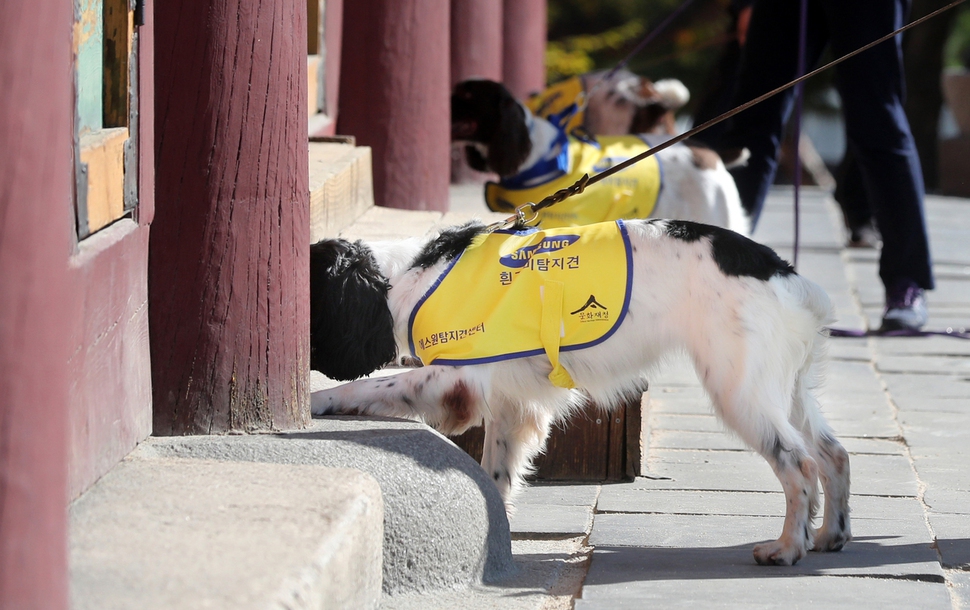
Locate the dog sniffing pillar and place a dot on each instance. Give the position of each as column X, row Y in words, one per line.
column 524, row 47
column 229, row 248
column 394, row 97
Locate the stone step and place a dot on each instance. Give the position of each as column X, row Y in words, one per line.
column 163, row 532
column 341, row 187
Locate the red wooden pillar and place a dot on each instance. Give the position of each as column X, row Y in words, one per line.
column 229, row 247
column 524, row 51
column 394, row 96
column 476, row 40
column 36, row 320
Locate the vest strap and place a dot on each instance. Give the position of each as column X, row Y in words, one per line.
column 551, row 331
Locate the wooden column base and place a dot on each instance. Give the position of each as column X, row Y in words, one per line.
column 593, row 445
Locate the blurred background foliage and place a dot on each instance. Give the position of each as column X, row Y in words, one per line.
column 586, row 35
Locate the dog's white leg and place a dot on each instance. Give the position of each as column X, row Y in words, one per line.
column 833, row 463
column 755, row 410
column 831, row 457
column 447, row 398
column 798, row 473
column 513, row 437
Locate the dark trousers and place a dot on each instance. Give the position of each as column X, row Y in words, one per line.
column 872, row 90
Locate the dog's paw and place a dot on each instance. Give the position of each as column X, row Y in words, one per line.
column 778, row 554
column 831, row 541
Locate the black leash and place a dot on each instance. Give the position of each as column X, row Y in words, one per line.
column 527, row 212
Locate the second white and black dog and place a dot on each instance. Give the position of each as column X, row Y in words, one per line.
column 502, row 136
column 753, row 328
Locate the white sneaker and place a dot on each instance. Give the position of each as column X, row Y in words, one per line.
column 905, row 307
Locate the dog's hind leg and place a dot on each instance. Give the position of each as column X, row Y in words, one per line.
column 450, row 399
column 513, row 437
column 833, row 462
column 798, row 473
column 753, row 414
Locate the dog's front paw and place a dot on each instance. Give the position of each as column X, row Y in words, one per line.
column 778, row 553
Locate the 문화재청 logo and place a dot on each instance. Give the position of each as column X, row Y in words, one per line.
column 591, row 311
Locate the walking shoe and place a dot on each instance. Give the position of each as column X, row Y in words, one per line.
column 905, row 307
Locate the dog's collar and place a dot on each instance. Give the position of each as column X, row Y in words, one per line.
column 552, row 165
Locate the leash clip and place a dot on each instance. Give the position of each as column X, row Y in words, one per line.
column 518, row 218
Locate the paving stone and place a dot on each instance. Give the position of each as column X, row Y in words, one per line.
column 628, row 498
column 908, row 403
column 849, row 349
column 684, row 400
column 947, row 500
column 917, row 387
column 881, row 475
column 952, row 538
column 699, row 587
column 852, row 378
column 711, row 470
column 892, row 547
column 924, row 364
column 557, row 494
column 930, row 433
column 946, row 470
column 664, row 439
column 882, row 428
column 934, row 346
column 959, row 582
column 551, row 521
column 686, row 422
column 876, row 446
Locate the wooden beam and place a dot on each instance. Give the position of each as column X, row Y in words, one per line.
column 103, row 152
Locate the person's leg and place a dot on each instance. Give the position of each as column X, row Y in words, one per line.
column 769, row 60
column 872, row 90
column 853, row 199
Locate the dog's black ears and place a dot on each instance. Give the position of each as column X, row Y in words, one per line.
column 509, row 145
column 351, row 328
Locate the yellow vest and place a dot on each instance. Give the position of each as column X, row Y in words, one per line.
column 631, row 193
column 519, row 294
column 556, row 98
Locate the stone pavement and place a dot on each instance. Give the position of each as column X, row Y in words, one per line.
column 682, row 536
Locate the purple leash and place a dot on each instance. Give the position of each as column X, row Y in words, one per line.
column 799, row 99
column 956, row 333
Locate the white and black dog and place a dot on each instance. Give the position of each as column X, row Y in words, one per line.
column 753, row 328
column 504, row 137
column 617, row 103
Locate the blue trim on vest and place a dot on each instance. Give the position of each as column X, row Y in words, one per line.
column 536, row 352
column 552, row 165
